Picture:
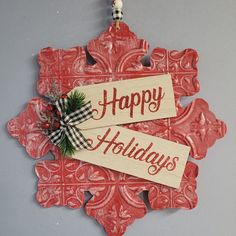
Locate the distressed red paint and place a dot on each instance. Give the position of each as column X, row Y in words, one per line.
column 116, row 202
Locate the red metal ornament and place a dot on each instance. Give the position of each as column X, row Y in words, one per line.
column 116, row 202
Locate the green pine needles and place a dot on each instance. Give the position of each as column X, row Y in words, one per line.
column 74, row 102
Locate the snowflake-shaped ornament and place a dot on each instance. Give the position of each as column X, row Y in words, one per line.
column 115, row 201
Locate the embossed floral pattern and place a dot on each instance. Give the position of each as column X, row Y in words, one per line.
column 116, row 200
column 25, row 128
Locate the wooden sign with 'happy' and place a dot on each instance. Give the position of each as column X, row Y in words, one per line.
column 129, row 101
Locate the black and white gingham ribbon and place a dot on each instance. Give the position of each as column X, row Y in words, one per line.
column 68, row 125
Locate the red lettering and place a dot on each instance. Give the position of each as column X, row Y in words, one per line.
column 140, row 153
column 124, row 102
column 131, row 150
column 172, row 165
column 139, row 101
column 146, row 98
column 157, row 97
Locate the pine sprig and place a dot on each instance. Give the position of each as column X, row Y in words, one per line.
column 74, row 102
column 67, row 149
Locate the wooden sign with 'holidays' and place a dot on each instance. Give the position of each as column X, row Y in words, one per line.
column 135, row 153
column 129, row 101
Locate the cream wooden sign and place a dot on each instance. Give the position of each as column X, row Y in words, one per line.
column 129, row 101
column 135, row 153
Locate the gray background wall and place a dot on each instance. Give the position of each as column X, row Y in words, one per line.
column 209, row 26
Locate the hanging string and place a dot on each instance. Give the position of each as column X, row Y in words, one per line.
column 117, row 13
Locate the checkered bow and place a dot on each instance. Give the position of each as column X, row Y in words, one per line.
column 68, row 125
